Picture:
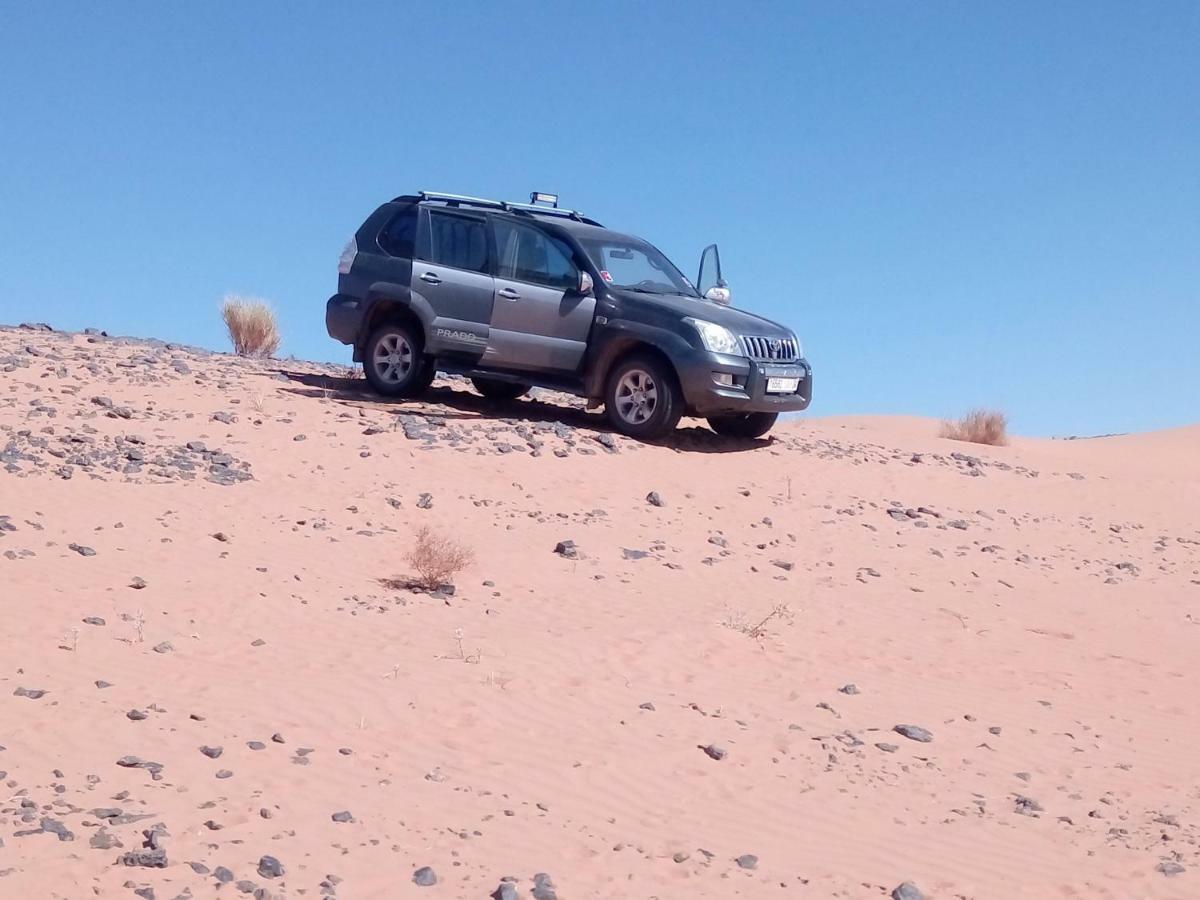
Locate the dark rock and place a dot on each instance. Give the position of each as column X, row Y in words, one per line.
column 222, row 875
column 907, row 891
column 270, row 867
column 1026, row 806
column 714, row 752
column 506, row 891
column 646, row 706
column 136, row 715
column 32, row 694
column 224, row 773
column 149, row 859
column 212, row 752
column 654, row 499
column 1170, row 868
column 567, row 550
column 199, row 868
column 343, row 816
column 277, row 738
column 424, row 877
column 256, row 745
column 81, row 550
column 164, row 647
column 747, row 861
column 137, row 583
column 887, row 748
column 93, row 620
column 850, row 689
column 104, row 840
column 53, row 826
column 543, row 887
column 914, row 733
column 425, row 501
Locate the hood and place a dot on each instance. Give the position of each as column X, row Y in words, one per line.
column 736, row 320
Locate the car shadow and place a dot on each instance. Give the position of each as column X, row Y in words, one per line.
column 452, row 400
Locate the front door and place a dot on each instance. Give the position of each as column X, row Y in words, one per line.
column 451, row 272
column 540, row 320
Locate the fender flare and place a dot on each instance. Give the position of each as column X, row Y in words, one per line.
column 618, row 337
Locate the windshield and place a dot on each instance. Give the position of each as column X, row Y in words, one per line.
column 636, row 266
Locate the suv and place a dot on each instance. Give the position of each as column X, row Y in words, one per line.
column 514, row 295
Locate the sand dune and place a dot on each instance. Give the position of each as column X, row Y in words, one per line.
column 195, row 552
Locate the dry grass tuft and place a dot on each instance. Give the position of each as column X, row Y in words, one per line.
column 437, row 558
column 760, row 628
column 252, row 326
column 981, row 426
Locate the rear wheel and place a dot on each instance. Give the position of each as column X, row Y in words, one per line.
column 643, row 399
column 494, row 389
column 743, row 425
column 393, row 361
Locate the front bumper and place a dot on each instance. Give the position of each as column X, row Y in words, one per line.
column 704, row 397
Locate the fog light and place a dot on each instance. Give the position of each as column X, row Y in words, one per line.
column 723, row 378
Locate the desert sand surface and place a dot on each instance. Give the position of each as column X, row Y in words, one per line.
column 215, row 682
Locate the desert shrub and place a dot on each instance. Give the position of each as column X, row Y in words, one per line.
column 437, row 558
column 981, row 426
column 252, row 326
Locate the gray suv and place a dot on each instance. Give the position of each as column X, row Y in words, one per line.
column 514, row 295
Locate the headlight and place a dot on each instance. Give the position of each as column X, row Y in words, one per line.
column 716, row 338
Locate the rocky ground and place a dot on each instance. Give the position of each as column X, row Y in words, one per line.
column 852, row 661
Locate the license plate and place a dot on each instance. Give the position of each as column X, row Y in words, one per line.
column 782, row 385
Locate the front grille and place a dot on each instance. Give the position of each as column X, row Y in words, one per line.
column 772, row 349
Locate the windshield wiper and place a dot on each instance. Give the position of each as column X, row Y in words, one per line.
column 642, row 290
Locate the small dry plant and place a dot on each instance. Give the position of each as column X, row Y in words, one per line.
column 980, row 426
column 437, row 558
column 252, row 326
column 757, row 629
column 462, row 655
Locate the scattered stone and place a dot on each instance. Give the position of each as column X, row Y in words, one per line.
column 343, row 816
column 222, row 875
column 32, row 694
column 424, row 877
column 1170, row 868
column 850, row 689
column 543, row 887
column 164, row 647
column 148, row 859
column 137, row 583
column 270, row 867
column 907, row 891
column 506, row 891
column 137, row 715
column 648, row 706
column 747, row 861
column 567, row 550
column 888, row 748
column 53, row 826
column 654, row 499
column 212, row 752
column 104, row 840
column 224, row 773
column 914, row 733
column 82, row 550
column 714, row 752
column 93, row 620
column 425, row 501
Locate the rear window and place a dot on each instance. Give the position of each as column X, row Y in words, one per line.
column 399, row 235
column 458, row 241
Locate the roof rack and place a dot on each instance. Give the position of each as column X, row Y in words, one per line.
column 522, row 208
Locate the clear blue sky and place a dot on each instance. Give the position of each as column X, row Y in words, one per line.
column 953, row 203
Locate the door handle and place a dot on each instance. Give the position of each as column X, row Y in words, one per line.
column 508, row 294
column 431, row 278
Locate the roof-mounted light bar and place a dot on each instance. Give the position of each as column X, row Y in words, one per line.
column 540, row 197
column 538, row 206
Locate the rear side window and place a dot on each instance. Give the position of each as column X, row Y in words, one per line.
column 530, row 255
column 399, row 235
column 458, row 241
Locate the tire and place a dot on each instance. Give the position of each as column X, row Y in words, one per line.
column 743, row 425
column 502, row 391
column 393, row 362
column 642, row 399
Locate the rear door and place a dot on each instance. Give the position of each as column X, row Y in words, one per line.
column 452, row 274
column 540, row 320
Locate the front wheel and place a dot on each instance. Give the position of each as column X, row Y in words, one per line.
column 743, row 425
column 501, row 391
column 393, row 362
column 643, row 399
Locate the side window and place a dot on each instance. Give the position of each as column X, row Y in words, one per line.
column 529, row 255
column 458, row 241
column 399, row 235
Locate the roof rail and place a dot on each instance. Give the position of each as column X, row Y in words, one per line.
column 523, row 208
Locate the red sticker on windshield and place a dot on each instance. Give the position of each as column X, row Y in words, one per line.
column 604, row 274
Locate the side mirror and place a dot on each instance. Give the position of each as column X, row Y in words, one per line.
column 721, row 295
column 586, row 286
